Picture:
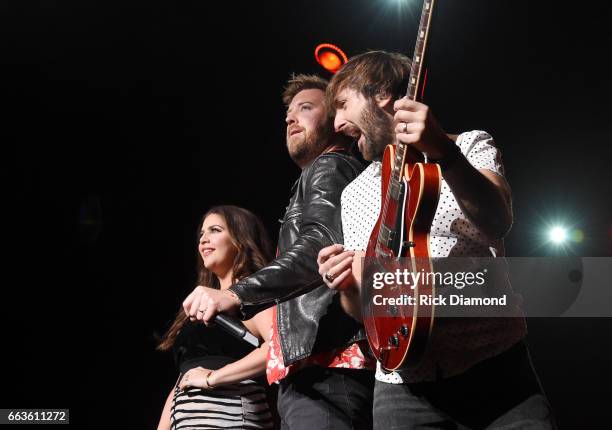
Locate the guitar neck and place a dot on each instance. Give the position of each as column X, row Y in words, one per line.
column 415, row 83
column 415, row 86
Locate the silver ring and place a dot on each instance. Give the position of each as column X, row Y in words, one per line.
column 330, row 277
column 405, row 128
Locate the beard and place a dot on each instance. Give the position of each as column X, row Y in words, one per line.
column 305, row 148
column 377, row 130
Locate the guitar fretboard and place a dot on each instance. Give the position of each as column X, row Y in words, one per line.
column 419, row 50
column 414, row 80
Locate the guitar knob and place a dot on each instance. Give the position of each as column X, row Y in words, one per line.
column 393, row 310
column 394, row 341
column 404, row 331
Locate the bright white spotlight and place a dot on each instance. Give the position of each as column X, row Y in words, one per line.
column 557, row 235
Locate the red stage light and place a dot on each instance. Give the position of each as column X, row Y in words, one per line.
column 330, row 61
column 330, row 57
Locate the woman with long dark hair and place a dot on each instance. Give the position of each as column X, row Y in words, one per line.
column 216, row 387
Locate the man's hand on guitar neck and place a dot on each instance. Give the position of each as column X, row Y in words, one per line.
column 483, row 195
column 341, row 271
column 416, row 125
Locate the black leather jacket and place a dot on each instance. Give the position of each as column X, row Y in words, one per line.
column 309, row 316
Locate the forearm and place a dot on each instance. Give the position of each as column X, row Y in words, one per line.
column 294, row 273
column 251, row 366
column 486, row 204
column 350, row 296
column 164, row 421
column 351, row 303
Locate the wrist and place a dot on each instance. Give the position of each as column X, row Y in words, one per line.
column 448, row 157
column 233, row 297
column 210, row 381
column 350, row 290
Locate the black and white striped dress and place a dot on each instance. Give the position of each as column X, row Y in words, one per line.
column 239, row 406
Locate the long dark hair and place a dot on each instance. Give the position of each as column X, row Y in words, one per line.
column 250, row 238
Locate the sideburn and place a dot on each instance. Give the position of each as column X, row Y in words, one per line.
column 378, row 130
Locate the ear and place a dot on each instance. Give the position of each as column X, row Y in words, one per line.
column 383, row 100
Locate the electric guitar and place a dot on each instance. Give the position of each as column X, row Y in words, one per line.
column 398, row 334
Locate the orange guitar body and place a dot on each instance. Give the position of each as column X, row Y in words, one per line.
column 398, row 335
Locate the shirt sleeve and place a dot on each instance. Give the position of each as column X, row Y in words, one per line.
column 481, row 151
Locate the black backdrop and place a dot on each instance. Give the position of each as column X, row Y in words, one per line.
column 122, row 122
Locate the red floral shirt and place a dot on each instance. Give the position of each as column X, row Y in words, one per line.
column 350, row 357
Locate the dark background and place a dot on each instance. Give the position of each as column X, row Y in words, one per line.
column 123, row 122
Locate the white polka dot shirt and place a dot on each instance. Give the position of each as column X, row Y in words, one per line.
column 457, row 346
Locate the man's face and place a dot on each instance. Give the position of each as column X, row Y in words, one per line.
column 308, row 126
column 364, row 120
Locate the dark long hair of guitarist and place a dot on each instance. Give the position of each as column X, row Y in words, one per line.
column 474, row 372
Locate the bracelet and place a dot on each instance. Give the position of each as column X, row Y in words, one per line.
column 208, row 386
column 449, row 159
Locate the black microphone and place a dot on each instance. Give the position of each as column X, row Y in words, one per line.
column 237, row 329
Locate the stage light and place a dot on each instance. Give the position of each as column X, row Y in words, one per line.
column 330, row 61
column 557, row 235
column 330, row 57
column 401, row 5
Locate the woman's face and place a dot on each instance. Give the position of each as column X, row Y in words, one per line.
column 216, row 246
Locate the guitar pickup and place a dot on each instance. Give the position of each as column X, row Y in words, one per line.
column 396, row 189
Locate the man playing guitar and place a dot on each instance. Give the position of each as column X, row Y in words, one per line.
column 475, row 372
